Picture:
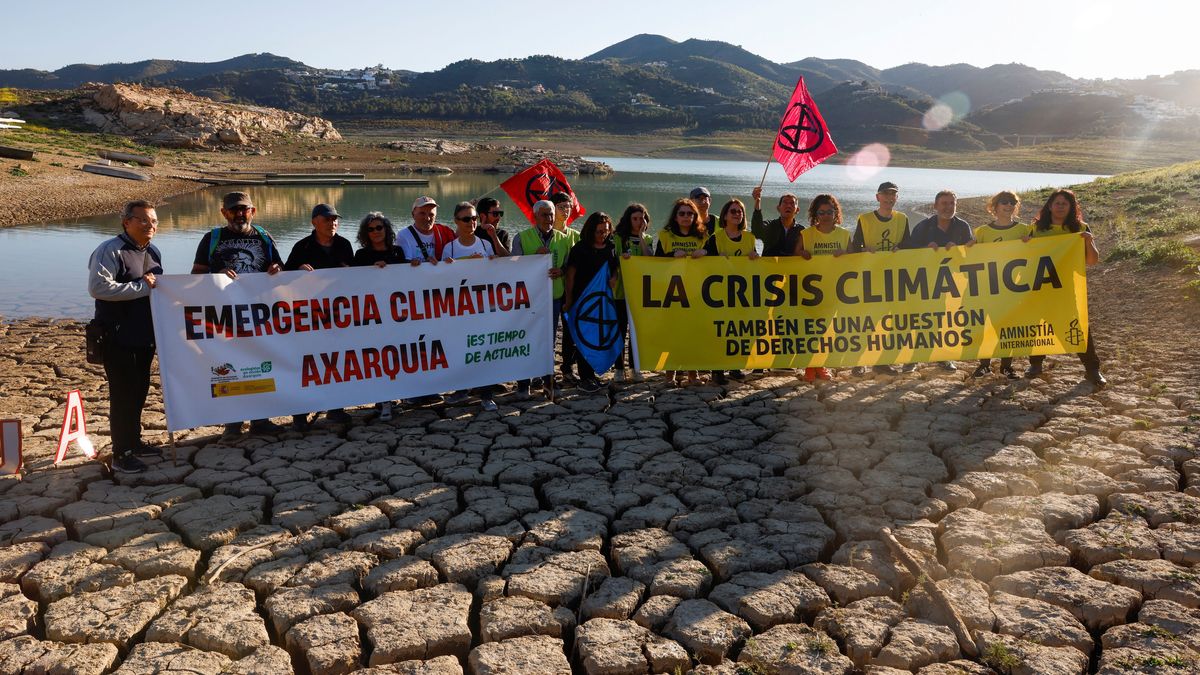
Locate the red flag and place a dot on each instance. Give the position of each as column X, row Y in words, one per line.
column 803, row 140
column 540, row 181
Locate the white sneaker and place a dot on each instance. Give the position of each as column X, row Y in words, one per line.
column 385, row 411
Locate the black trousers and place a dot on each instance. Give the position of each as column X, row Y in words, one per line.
column 127, row 370
column 623, row 322
column 1088, row 357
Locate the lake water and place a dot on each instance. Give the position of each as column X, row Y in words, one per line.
column 44, row 268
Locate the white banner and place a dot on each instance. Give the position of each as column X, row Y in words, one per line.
column 296, row 342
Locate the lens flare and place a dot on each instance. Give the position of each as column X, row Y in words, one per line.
column 948, row 110
column 869, row 161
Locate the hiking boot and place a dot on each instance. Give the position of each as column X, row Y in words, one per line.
column 591, row 385
column 948, row 366
column 339, row 416
column 858, row 371
column 265, row 427
column 488, row 405
column 1035, row 370
column 982, row 371
column 909, row 368
column 1008, row 372
column 1097, row 378
column 128, row 464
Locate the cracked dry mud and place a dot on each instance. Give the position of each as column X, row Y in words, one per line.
column 642, row 529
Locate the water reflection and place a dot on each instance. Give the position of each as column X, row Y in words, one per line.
column 44, row 265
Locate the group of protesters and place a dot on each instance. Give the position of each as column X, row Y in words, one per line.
column 123, row 270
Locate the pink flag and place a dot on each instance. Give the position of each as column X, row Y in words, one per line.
column 803, row 140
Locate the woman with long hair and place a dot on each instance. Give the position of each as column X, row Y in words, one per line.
column 631, row 237
column 731, row 240
column 822, row 237
column 1062, row 215
column 377, row 241
column 1004, row 206
column 592, row 254
column 682, row 237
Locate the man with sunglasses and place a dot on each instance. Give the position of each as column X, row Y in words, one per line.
column 240, row 247
column 323, row 249
column 489, row 224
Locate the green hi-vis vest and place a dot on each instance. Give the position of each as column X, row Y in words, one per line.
column 882, row 235
column 729, row 247
column 560, row 246
column 672, row 242
column 990, row 234
column 817, row 242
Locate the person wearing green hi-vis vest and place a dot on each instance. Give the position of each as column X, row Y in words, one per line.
column 542, row 238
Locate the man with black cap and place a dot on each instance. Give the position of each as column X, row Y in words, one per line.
column 240, row 247
column 883, row 230
column 121, row 273
column 703, row 199
column 323, row 249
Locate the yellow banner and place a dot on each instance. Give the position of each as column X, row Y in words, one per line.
column 989, row 300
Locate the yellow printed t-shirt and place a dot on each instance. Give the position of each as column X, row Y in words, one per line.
column 882, row 235
column 820, row 243
column 671, row 242
column 729, row 247
column 990, row 234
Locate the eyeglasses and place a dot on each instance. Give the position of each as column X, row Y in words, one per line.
column 375, row 228
column 468, row 219
column 240, row 207
column 1006, row 202
column 825, row 212
column 685, row 214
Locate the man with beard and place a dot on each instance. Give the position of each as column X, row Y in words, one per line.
column 241, row 247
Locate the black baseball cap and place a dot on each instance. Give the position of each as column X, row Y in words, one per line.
column 325, row 210
column 888, row 186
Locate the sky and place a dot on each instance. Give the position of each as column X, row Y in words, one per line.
column 1083, row 39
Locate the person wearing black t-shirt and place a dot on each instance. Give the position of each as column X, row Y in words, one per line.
column 322, row 250
column 594, row 252
column 240, row 247
column 377, row 237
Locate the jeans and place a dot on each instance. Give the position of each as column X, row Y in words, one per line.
column 127, row 370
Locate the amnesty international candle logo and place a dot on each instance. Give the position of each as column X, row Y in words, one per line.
column 1074, row 336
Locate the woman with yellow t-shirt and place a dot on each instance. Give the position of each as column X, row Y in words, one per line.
column 682, row 237
column 1061, row 215
column 731, row 240
column 822, row 237
column 1004, row 207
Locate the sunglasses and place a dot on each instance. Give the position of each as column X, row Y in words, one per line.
column 240, row 207
column 685, row 214
column 1007, row 202
column 468, row 219
column 375, row 228
column 825, row 212
column 737, row 211
column 498, row 214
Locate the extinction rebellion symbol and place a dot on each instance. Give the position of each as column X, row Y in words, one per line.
column 1074, row 335
column 598, row 310
column 790, row 135
column 535, row 193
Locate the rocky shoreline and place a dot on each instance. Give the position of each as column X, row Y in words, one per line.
column 641, row 529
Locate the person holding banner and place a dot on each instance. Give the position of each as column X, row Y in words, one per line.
column 703, row 201
column 593, row 254
column 542, row 239
column 564, row 206
column 773, row 233
column 943, row 229
column 238, row 248
column 321, row 250
column 731, row 240
column 883, row 230
column 490, row 214
column 466, row 244
column 1004, row 207
column 1061, row 215
column 424, row 240
column 822, row 237
column 682, row 237
column 632, row 237
column 377, row 239
column 121, row 272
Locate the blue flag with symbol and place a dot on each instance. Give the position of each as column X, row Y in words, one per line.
column 593, row 323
